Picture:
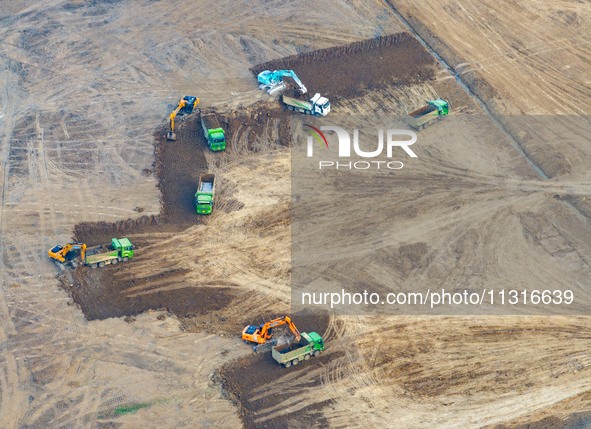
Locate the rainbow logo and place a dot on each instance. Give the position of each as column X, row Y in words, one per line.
column 317, row 134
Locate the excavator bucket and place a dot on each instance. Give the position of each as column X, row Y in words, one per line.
column 264, row 347
column 170, row 136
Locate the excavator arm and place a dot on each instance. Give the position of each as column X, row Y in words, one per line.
column 186, row 104
column 273, row 82
column 293, row 329
column 263, row 333
column 175, row 112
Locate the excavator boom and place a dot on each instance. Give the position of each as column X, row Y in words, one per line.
column 272, row 81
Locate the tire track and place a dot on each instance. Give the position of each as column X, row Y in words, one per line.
column 514, row 142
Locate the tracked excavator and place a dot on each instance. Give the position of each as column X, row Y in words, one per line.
column 272, row 81
column 263, row 334
column 186, row 105
column 68, row 252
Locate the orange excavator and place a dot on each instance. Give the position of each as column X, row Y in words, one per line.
column 68, row 252
column 263, row 333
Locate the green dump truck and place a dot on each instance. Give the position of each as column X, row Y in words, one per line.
column 205, row 194
column 120, row 250
column 213, row 131
column 291, row 354
column 426, row 115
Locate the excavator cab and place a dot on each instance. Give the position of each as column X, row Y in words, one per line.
column 186, row 105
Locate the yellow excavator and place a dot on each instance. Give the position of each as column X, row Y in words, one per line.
column 68, row 252
column 186, row 105
column 263, row 333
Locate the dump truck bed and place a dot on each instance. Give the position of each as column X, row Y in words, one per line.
column 296, row 102
column 422, row 111
column 210, row 121
column 101, row 257
column 95, row 250
column 206, row 187
column 206, row 183
column 287, row 352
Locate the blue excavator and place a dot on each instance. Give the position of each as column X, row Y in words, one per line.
column 272, row 81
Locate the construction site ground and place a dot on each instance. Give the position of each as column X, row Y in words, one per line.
column 155, row 342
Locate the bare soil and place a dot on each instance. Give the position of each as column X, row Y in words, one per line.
column 345, row 70
column 79, row 101
column 244, row 379
column 352, row 70
column 103, row 293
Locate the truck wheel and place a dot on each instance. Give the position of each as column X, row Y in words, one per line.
column 119, row 258
column 287, row 364
column 306, row 357
column 295, row 362
column 94, row 265
column 316, row 353
column 114, row 261
column 125, row 259
column 101, row 264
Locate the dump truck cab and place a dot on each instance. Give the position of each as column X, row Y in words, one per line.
column 441, row 105
column 204, row 204
column 317, row 340
column 123, row 246
column 205, row 194
column 217, row 139
column 321, row 105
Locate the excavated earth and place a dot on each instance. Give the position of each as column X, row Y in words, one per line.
column 244, row 380
column 341, row 72
column 206, row 289
column 101, row 293
column 345, row 70
column 350, row 71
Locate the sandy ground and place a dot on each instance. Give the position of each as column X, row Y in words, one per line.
column 79, row 111
column 95, row 79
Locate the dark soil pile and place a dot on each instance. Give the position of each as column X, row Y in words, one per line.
column 352, row 70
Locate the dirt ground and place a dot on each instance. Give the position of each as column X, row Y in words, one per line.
column 155, row 342
column 352, row 70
